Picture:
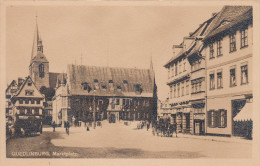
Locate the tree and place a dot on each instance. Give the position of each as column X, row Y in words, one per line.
column 47, row 92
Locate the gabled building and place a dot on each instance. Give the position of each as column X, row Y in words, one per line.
column 198, row 78
column 228, row 51
column 26, row 102
column 11, row 90
column 179, row 83
column 90, row 93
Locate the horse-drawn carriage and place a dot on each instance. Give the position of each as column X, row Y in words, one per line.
column 164, row 128
column 25, row 125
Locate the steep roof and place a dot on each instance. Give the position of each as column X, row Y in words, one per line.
column 182, row 52
column 227, row 18
column 100, row 77
column 199, row 33
column 24, row 86
column 53, row 78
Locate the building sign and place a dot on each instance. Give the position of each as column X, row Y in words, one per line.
column 199, row 116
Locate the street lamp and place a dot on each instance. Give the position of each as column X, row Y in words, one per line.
column 94, row 110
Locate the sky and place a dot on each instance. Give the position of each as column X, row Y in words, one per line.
column 115, row 36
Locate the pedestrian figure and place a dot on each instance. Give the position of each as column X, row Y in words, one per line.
column 148, row 126
column 53, row 125
column 68, row 128
column 65, row 126
column 41, row 128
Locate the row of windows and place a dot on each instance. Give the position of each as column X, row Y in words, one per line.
column 27, row 101
column 232, row 43
column 29, row 111
column 217, row 118
column 177, row 68
column 232, row 73
column 29, row 92
column 86, row 86
column 178, row 90
column 196, row 86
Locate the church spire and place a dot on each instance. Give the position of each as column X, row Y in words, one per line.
column 37, row 42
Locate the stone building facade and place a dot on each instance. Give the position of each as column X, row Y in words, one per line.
column 90, row 93
column 228, row 52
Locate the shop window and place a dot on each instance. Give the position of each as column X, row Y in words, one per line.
column 244, row 37
column 244, row 74
column 232, row 77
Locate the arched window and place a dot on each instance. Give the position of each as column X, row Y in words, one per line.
column 41, row 70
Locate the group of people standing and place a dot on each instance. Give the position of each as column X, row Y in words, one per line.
column 66, row 125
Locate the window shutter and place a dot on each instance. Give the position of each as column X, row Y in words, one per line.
column 215, row 118
column 209, row 118
column 225, row 118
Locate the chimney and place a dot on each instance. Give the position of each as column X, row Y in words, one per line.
column 177, row 48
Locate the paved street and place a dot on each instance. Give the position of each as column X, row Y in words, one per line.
column 120, row 141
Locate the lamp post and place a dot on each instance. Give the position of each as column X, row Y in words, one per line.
column 94, row 110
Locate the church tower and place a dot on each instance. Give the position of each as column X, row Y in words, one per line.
column 39, row 65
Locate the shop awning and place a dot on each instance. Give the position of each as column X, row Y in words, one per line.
column 245, row 114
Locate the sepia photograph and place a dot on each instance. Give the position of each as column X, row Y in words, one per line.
column 129, row 82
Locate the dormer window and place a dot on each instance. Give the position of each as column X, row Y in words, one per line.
column 119, row 87
column 111, row 87
column 104, row 87
column 85, row 86
column 138, row 88
column 95, row 80
column 125, row 81
column 29, row 83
